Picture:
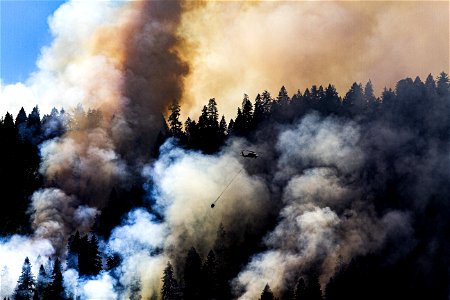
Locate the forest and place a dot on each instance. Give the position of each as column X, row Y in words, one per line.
column 404, row 179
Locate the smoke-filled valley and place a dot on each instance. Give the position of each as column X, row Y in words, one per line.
column 307, row 195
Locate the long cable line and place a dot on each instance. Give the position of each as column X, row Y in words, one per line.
column 229, row 183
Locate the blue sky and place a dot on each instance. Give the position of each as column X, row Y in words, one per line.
column 24, row 30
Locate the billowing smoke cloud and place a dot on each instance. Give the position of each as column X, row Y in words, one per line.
column 129, row 80
column 129, row 60
column 119, row 58
column 54, row 212
column 13, row 251
column 244, row 47
column 324, row 220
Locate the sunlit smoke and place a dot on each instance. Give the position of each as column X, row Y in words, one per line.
column 130, row 60
column 241, row 47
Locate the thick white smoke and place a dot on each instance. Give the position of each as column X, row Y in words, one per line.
column 13, row 251
column 69, row 72
column 325, row 220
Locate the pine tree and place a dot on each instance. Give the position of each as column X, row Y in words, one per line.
column 26, row 284
column 312, row 290
column 211, row 284
column 56, row 288
column 175, row 126
column 267, row 293
column 83, row 257
column 258, row 113
column 332, row 101
column 95, row 259
column 212, row 113
column 300, row 289
column 238, row 125
column 192, row 276
column 191, row 132
column 279, row 108
column 267, row 102
column 230, row 126
column 283, row 97
column 21, row 118
column 73, row 250
column 443, row 84
column 430, row 85
column 222, row 260
column 354, row 101
column 247, row 114
column 42, row 284
column 223, row 128
column 170, row 289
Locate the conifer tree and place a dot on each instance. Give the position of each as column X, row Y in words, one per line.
column 223, row 128
column 170, row 289
column 354, row 101
column 175, row 126
column 42, row 284
column 210, row 281
column 443, row 84
column 26, row 284
column 258, row 113
column 95, row 259
column 300, row 289
column 312, row 290
column 21, row 120
column 192, row 276
column 56, row 288
column 267, row 293
column 247, row 114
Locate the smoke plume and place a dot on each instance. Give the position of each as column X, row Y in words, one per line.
column 307, row 199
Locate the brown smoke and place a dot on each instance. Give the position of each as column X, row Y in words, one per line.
column 153, row 75
column 139, row 74
column 247, row 48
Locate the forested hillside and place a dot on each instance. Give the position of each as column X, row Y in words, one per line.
column 349, row 194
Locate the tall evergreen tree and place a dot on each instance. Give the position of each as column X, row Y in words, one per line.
column 312, row 290
column 267, row 293
column 95, row 260
column 258, row 114
column 210, row 282
column 443, row 84
column 212, row 113
column 56, row 288
column 26, row 284
column 354, row 101
column 222, row 260
column 192, row 276
column 42, row 284
column 267, row 102
column 21, row 120
column 300, row 290
column 430, row 85
column 247, row 114
column 332, row 101
column 223, row 128
column 170, row 289
column 175, row 126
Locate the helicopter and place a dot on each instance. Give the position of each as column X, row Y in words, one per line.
column 249, row 154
